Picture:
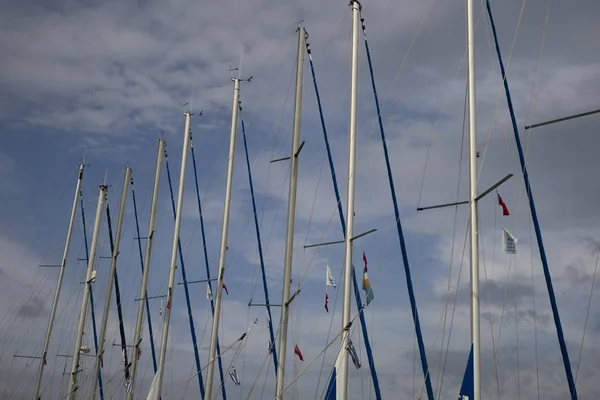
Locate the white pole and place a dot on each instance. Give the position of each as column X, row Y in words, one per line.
column 111, row 278
column 38, row 379
column 137, row 339
column 217, row 307
column 475, row 334
column 291, row 215
column 342, row 365
column 167, row 313
column 72, row 395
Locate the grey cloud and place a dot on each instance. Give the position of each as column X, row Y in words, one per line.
column 33, row 309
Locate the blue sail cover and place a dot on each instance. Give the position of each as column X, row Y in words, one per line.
column 331, row 388
column 466, row 389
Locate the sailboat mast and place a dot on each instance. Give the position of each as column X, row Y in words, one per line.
column 291, row 215
column 178, row 217
column 38, row 379
column 102, row 197
column 474, row 220
column 342, row 367
column 146, row 271
column 223, row 252
column 111, row 277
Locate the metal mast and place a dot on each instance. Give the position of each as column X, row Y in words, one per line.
column 102, row 197
column 178, row 217
column 474, row 223
column 217, row 305
column 38, row 379
column 146, row 271
column 111, row 278
column 291, row 215
column 342, row 363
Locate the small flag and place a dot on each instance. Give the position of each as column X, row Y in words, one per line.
column 353, row 354
column 139, row 353
column 503, row 205
column 329, row 279
column 225, row 289
column 366, row 283
column 208, row 292
column 45, row 363
column 326, row 302
column 509, row 242
column 298, row 353
column 169, row 304
column 234, row 376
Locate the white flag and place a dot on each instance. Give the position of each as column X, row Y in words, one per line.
column 509, row 242
column 208, row 292
column 329, row 280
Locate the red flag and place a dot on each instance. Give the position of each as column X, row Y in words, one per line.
column 298, row 353
column 326, row 302
column 45, row 361
column 365, row 260
column 139, row 353
column 503, row 205
column 169, row 304
column 225, row 289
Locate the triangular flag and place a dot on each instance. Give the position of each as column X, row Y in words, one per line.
column 509, row 242
column 225, row 289
column 329, row 280
column 503, row 205
column 326, row 302
column 366, row 283
column 298, row 353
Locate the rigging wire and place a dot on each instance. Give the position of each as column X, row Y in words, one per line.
column 587, row 314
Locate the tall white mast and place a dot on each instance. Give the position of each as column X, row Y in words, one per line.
column 291, row 215
column 475, row 334
column 157, row 385
column 38, row 379
column 72, row 394
column 137, row 338
column 111, row 278
column 342, row 362
column 212, row 353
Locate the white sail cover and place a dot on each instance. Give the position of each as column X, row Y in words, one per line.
column 153, row 394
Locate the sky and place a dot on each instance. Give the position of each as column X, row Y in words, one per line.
column 102, row 81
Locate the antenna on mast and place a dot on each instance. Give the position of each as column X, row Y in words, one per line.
column 241, row 62
column 192, row 98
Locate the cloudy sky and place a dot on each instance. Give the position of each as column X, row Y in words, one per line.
column 104, row 80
